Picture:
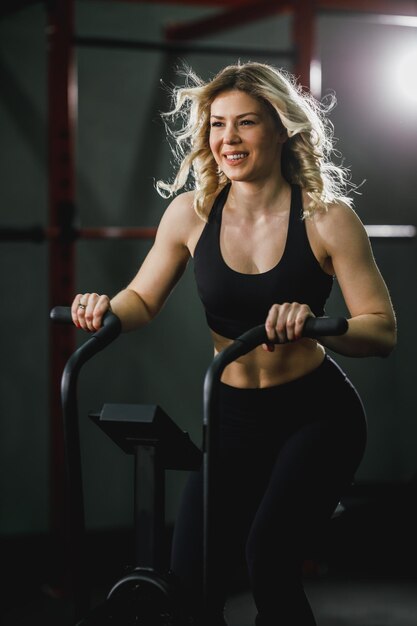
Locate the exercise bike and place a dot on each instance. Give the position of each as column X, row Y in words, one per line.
column 148, row 594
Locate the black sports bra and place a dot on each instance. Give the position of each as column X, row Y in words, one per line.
column 235, row 302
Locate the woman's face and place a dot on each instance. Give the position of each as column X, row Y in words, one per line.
column 245, row 139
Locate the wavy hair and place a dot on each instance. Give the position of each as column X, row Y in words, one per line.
column 306, row 155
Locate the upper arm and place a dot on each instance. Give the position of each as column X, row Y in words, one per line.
column 168, row 257
column 347, row 245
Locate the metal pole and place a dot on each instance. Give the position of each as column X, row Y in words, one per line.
column 303, row 38
column 62, row 97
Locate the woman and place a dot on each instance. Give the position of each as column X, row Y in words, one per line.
column 269, row 225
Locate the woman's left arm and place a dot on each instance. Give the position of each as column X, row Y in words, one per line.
column 372, row 325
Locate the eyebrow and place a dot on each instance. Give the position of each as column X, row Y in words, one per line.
column 221, row 117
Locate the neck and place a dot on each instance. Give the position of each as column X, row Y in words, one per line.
column 259, row 198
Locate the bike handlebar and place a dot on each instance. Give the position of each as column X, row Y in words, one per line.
column 108, row 332
column 314, row 327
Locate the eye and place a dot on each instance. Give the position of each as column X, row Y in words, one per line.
column 216, row 124
column 247, row 122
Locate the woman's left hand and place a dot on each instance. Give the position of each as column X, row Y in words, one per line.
column 285, row 323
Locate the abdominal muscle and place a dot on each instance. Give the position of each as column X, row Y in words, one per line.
column 259, row 368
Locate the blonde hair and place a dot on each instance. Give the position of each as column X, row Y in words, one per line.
column 306, row 155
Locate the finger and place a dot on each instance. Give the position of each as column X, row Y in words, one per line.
column 270, row 323
column 74, row 309
column 303, row 314
column 294, row 319
column 100, row 309
column 281, row 323
column 89, row 310
column 81, row 310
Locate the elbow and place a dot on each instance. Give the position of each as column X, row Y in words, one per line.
column 389, row 343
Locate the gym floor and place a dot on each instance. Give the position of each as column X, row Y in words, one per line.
column 346, row 602
column 364, row 574
column 336, row 602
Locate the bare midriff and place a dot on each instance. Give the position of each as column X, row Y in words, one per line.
column 259, row 368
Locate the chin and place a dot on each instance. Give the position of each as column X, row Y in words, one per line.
column 239, row 176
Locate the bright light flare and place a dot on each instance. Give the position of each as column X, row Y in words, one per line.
column 407, row 75
column 315, row 78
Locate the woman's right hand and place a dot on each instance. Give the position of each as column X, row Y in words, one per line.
column 88, row 309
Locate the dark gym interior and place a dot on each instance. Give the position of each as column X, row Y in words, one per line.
column 82, row 143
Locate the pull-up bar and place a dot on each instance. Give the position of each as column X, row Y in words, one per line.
column 38, row 234
column 180, row 48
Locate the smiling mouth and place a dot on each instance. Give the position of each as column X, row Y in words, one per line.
column 236, row 157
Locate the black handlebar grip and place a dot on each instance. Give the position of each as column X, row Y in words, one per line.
column 109, row 330
column 325, row 326
column 61, row 314
column 314, row 327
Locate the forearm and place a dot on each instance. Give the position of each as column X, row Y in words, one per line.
column 131, row 310
column 368, row 335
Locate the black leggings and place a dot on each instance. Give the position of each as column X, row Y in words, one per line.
column 287, row 454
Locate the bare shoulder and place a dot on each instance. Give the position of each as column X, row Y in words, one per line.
column 180, row 220
column 180, row 208
column 339, row 227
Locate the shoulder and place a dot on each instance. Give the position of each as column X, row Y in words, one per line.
column 339, row 227
column 180, row 220
column 181, row 206
column 180, row 210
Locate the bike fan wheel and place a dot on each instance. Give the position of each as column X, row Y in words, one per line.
column 144, row 599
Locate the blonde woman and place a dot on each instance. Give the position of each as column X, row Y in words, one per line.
column 269, row 224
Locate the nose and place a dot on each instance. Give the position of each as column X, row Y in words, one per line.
column 231, row 135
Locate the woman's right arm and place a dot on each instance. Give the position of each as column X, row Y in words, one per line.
column 143, row 298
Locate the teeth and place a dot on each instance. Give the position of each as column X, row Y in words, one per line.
column 235, row 157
